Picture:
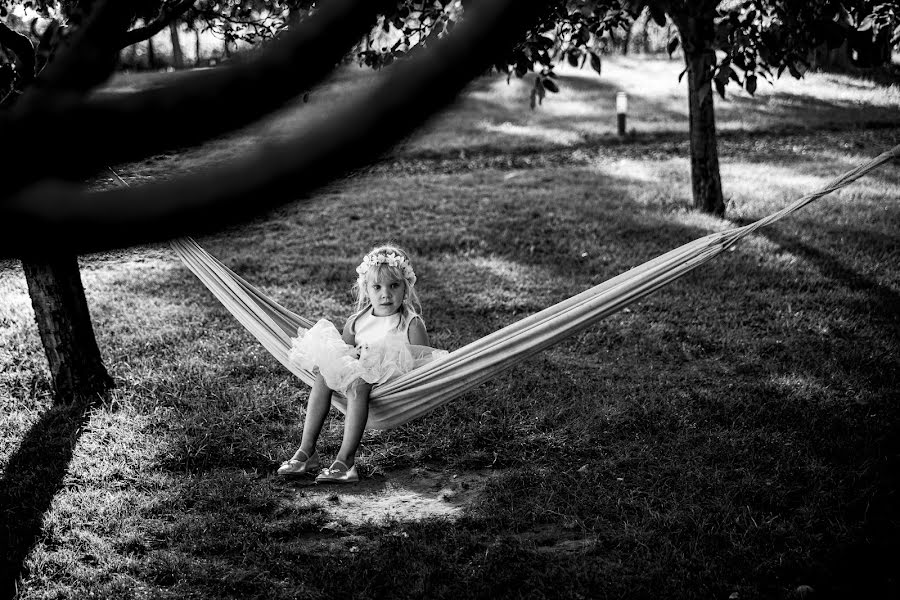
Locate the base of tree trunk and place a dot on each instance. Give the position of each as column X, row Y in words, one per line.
column 64, row 324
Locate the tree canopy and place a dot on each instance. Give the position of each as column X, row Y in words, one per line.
column 754, row 39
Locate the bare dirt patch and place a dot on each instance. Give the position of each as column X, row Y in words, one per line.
column 407, row 495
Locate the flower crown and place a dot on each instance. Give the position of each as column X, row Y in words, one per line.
column 391, row 259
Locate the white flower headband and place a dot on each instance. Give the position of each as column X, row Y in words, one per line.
column 391, row 259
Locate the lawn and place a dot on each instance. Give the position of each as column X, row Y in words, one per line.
column 735, row 432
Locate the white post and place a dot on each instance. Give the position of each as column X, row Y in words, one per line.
column 621, row 110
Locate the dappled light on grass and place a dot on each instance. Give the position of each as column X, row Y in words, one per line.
column 731, row 432
column 16, row 304
column 24, row 376
column 838, row 88
column 583, row 112
column 556, row 137
column 495, row 114
column 503, row 284
column 802, row 385
column 631, row 439
column 641, row 171
column 703, row 222
column 765, row 186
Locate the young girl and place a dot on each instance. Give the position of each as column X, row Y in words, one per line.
column 385, row 338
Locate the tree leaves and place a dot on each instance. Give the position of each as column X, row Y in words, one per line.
column 723, row 75
column 750, row 84
column 720, row 87
column 672, row 45
column 595, row 62
column 543, row 83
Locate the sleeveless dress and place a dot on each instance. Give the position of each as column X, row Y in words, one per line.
column 382, row 351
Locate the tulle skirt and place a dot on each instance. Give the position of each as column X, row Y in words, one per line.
column 321, row 348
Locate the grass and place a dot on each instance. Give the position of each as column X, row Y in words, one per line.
column 734, row 432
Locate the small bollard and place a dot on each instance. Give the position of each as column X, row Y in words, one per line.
column 621, row 110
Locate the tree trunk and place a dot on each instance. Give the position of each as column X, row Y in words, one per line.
column 130, row 57
column 645, row 34
column 832, row 58
column 177, row 54
column 697, row 35
column 60, row 307
column 64, row 324
column 151, row 55
column 197, row 47
column 668, row 35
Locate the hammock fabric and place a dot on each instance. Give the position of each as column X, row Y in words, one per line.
column 424, row 389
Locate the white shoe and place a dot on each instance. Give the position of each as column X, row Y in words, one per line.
column 338, row 473
column 295, row 466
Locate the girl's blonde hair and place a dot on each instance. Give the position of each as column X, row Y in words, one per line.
column 392, row 261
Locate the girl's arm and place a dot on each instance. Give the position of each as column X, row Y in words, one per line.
column 348, row 336
column 417, row 333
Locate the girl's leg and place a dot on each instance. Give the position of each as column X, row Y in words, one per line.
column 354, row 423
column 316, row 411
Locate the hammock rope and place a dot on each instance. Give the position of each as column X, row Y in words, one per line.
column 418, row 392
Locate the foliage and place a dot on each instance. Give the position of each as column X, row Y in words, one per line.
column 760, row 39
column 756, row 39
column 883, row 18
column 248, row 20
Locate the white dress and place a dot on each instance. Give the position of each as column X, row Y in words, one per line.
column 382, row 351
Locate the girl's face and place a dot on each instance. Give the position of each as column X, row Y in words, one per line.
column 385, row 292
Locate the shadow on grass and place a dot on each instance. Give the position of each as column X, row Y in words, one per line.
column 881, row 302
column 806, row 108
column 525, row 260
column 33, row 476
column 885, row 75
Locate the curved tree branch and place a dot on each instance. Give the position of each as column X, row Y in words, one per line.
column 356, row 132
column 167, row 14
column 195, row 108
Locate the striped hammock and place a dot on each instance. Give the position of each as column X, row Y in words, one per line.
column 428, row 387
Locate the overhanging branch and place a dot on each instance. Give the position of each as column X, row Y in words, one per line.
column 191, row 110
column 357, row 131
column 167, row 14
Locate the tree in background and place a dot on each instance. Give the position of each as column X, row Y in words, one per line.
column 736, row 42
column 740, row 42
